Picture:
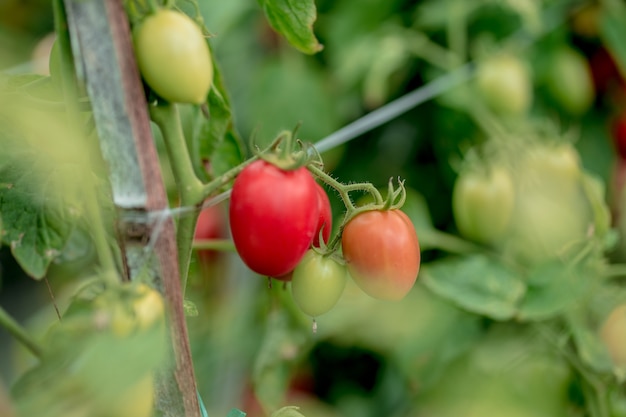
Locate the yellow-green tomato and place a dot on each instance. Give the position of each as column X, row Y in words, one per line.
column 613, row 334
column 482, row 204
column 504, row 83
column 174, row 57
column 138, row 401
column 569, row 80
column 317, row 283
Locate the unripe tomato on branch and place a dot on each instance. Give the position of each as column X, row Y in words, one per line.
column 382, row 253
column 317, row 283
column 482, row 204
column 174, row 57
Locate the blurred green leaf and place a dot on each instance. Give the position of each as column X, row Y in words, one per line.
column 613, row 32
column 552, row 288
column 214, row 137
column 272, row 368
column 594, row 189
column 476, row 283
column 39, row 198
column 286, row 93
column 591, row 350
column 86, row 367
column 294, row 20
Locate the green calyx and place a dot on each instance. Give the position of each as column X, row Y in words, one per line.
column 288, row 153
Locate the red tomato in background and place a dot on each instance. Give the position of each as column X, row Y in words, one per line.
column 382, row 253
column 211, row 225
column 325, row 221
column 273, row 217
column 618, row 133
column 603, row 70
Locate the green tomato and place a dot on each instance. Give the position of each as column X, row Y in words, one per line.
column 482, row 204
column 551, row 210
column 137, row 401
column 613, row 334
column 569, row 82
column 504, row 82
column 174, row 57
column 317, row 283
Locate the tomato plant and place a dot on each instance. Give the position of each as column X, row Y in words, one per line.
column 504, row 83
column 273, row 217
column 173, row 57
column 317, row 283
column 382, row 253
column 483, row 204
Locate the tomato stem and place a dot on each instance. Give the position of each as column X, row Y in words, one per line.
column 615, row 271
column 190, row 188
column 19, row 333
column 345, row 189
column 224, row 245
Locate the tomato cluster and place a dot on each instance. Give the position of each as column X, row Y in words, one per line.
column 281, row 221
column 531, row 204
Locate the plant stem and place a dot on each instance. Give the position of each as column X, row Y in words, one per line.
column 190, row 188
column 166, row 116
column 99, row 235
column 19, row 333
column 615, row 271
column 457, row 29
column 214, row 185
column 436, row 239
column 225, row 245
column 344, row 190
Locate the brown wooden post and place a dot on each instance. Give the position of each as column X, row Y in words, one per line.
column 102, row 45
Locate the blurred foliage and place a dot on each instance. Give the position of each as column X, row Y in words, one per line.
column 477, row 336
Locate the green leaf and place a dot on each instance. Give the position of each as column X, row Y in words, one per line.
column 553, row 288
column 213, row 136
column 272, row 368
column 476, row 283
column 294, row 20
column 39, row 199
column 595, row 190
column 613, row 33
column 589, row 347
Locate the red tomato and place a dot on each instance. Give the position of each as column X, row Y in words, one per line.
column 382, row 253
column 325, row 221
column 210, row 225
column 603, row 70
column 273, row 217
